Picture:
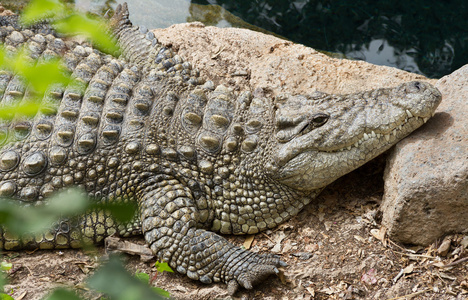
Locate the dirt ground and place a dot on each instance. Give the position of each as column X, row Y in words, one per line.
column 334, row 250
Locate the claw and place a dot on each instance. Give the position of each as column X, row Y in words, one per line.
column 282, row 264
column 232, row 287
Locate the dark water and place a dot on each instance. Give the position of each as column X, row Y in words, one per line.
column 422, row 36
column 429, row 37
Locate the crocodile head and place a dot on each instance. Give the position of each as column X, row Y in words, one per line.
column 322, row 137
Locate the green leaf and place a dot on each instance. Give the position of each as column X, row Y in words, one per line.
column 5, row 297
column 5, row 266
column 4, row 62
column 122, row 211
column 68, row 203
column 116, row 282
column 41, row 9
column 20, row 220
column 62, row 294
column 162, row 266
column 161, row 292
column 40, row 75
column 96, row 30
column 44, row 74
column 12, row 110
column 143, row 277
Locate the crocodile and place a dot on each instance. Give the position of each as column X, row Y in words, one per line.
column 199, row 160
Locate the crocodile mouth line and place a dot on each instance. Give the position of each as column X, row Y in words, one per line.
column 384, row 139
column 388, row 136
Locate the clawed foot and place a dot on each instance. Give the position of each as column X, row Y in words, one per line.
column 254, row 271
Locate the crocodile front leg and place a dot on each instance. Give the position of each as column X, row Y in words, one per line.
column 170, row 223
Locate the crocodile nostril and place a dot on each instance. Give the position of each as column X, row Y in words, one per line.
column 417, row 85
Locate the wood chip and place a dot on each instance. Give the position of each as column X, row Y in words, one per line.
column 117, row 244
column 22, row 296
column 248, row 241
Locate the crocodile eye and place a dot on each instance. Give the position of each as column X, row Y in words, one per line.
column 316, row 121
column 319, row 119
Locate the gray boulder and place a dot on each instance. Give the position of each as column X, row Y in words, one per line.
column 426, row 178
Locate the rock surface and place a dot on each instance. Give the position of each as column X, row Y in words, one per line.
column 426, row 179
column 244, row 59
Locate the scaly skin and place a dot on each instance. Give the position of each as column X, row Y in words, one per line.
column 198, row 160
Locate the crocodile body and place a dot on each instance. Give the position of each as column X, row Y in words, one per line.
column 198, row 159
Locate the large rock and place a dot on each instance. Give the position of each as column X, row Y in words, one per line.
column 426, row 179
column 245, row 59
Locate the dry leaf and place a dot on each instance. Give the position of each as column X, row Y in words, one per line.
column 409, row 269
column 380, row 234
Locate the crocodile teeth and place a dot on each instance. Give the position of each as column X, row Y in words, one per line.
column 425, row 119
column 366, row 137
column 387, row 137
column 356, row 144
column 349, row 148
column 410, row 115
column 373, row 134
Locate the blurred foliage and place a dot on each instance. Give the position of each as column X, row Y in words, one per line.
column 39, row 76
column 4, row 267
column 62, row 294
column 68, row 21
column 33, row 219
column 67, row 204
column 434, row 32
column 112, row 278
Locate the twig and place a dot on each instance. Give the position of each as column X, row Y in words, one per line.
column 411, row 295
column 217, row 53
column 416, row 255
column 395, row 244
column 398, row 275
column 268, row 237
column 453, row 263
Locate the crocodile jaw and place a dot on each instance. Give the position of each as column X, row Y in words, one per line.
column 305, row 165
